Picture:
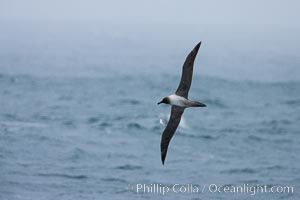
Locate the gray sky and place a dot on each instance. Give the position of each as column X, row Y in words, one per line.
column 253, row 39
column 251, row 12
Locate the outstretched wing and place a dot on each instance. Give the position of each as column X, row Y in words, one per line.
column 169, row 131
column 187, row 73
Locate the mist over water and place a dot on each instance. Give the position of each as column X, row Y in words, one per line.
column 90, row 47
column 79, row 120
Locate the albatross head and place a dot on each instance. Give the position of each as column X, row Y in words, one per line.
column 164, row 100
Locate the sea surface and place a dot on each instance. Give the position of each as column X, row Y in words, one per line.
column 95, row 137
column 79, row 117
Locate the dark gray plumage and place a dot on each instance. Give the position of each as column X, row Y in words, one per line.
column 181, row 99
column 169, row 131
column 187, row 73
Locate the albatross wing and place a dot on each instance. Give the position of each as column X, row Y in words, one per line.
column 187, row 73
column 169, row 131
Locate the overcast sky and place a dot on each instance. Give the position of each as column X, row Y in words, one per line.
column 255, row 39
column 251, row 12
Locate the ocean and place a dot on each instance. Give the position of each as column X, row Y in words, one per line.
column 89, row 138
column 97, row 135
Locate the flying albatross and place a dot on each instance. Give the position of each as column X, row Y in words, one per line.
column 179, row 101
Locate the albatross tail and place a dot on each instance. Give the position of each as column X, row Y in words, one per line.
column 196, row 104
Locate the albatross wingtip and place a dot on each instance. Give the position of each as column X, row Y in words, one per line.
column 196, row 48
column 199, row 44
column 163, row 158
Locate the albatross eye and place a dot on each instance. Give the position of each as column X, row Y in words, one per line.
column 166, row 100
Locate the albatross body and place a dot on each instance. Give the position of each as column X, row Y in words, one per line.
column 179, row 101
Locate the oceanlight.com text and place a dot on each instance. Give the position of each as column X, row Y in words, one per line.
column 157, row 188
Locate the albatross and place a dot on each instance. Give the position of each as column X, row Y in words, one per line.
column 179, row 101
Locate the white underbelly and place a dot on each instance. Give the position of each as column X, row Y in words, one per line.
column 177, row 100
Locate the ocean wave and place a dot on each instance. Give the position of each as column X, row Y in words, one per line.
column 103, row 126
column 112, row 179
column 92, row 120
column 275, row 167
column 23, row 124
column 256, row 138
column 157, row 128
column 275, row 122
column 69, row 123
column 135, row 125
column 199, row 136
column 272, row 130
column 240, row 171
column 130, row 101
column 67, row 176
column 230, row 130
column 129, row 167
column 293, row 102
